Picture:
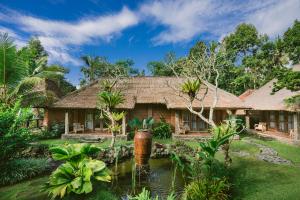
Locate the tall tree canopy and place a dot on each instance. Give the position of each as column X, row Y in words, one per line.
column 22, row 70
column 291, row 40
column 97, row 67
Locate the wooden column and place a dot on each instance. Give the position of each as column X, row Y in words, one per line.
column 124, row 125
column 46, row 119
column 296, row 127
column 247, row 120
column 66, row 122
column 177, row 127
column 150, row 112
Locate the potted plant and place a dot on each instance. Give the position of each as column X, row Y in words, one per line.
column 143, row 142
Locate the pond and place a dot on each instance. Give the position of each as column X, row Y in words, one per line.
column 158, row 181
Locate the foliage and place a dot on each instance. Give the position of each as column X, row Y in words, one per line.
column 97, row 67
column 293, row 102
column 162, row 130
column 207, row 189
column 55, row 131
column 110, row 99
column 291, row 40
column 21, row 169
column 12, row 69
column 135, row 124
column 13, row 136
column 191, row 88
column 147, row 123
column 145, row 195
column 77, row 173
column 286, row 78
column 22, row 71
column 160, row 68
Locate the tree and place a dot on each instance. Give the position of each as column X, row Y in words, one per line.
column 108, row 99
column 197, row 77
column 20, row 79
column 291, row 40
column 12, row 69
column 32, row 52
column 160, row 68
column 93, row 67
column 98, row 67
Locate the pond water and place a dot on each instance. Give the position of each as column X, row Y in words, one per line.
column 158, row 181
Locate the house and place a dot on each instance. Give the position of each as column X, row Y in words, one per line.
column 144, row 97
column 271, row 111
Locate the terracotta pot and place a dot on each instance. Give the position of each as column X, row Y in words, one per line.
column 142, row 147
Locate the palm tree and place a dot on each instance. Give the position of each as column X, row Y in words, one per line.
column 12, row 70
column 20, row 81
column 90, row 69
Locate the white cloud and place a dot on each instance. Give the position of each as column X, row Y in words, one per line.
column 58, row 37
column 182, row 20
column 276, row 18
column 19, row 41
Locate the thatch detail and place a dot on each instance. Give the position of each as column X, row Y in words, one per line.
column 147, row 90
column 263, row 99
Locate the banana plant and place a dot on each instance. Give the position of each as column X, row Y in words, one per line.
column 76, row 174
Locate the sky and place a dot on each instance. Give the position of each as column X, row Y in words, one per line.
column 143, row 31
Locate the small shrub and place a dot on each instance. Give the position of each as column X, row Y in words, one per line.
column 202, row 189
column 21, row 169
column 78, row 172
column 162, row 130
column 55, row 131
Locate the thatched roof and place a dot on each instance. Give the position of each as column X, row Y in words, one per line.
column 147, row 90
column 263, row 99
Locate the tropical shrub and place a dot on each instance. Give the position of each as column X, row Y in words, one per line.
column 136, row 124
column 21, row 169
column 78, row 172
column 13, row 136
column 204, row 189
column 55, row 130
column 162, row 130
column 145, row 195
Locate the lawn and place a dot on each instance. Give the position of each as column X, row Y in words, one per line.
column 251, row 178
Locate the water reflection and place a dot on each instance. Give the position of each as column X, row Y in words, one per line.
column 158, row 181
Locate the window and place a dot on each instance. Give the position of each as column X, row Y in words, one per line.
column 290, row 121
column 194, row 122
column 281, row 121
column 272, row 120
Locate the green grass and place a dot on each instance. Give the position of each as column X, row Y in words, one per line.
column 240, row 145
column 288, row 151
column 251, row 179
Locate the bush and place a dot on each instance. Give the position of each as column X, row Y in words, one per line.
column 13, row 136
column 20, row 169
column 55, row 131
column 203, row 189
column 162, row 130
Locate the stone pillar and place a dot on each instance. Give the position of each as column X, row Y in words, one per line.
column 177, row 126
column 124, row 125
column 247, row 120
column 296, row 127
column 66, row 122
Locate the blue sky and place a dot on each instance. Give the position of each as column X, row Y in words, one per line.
column 140, row 30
